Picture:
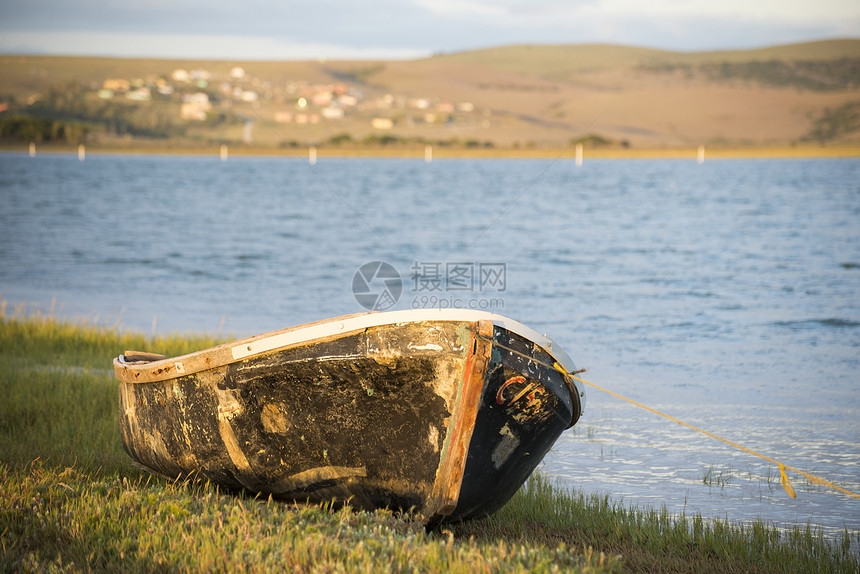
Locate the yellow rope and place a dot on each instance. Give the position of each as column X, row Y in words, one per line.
column 782, row 467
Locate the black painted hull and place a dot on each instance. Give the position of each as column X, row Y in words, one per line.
column 446, row 417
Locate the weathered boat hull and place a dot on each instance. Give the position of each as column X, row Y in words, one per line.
column 443, row 413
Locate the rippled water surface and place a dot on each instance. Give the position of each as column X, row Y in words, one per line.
column 725, row 294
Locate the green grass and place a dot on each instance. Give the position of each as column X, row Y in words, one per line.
column 71, row 500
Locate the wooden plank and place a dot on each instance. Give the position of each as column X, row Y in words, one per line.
column 446, row 489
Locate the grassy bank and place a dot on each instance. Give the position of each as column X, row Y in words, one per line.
column 71, row 500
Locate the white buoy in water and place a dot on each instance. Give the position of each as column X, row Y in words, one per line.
column 82, row 152
column 428, row 153
column 224, row 152
column 701, row 156
column 579, row 155
column 312, row 155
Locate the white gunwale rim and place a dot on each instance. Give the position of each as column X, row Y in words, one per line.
column 340, row 325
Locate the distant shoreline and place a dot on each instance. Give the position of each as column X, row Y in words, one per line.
column 439, row 152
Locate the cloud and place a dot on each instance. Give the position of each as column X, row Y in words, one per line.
column 461, row 8
column 216, row 47
column 268, row 29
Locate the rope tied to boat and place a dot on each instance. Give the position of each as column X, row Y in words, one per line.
column 786, row 483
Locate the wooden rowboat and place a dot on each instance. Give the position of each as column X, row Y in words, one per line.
column 445, row 412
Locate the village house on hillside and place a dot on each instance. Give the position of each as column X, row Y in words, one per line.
column 195, row 106
column 198, row 91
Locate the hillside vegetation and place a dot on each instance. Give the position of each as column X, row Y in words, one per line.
column 519, row 97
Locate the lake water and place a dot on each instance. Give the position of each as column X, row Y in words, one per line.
column 725, row 294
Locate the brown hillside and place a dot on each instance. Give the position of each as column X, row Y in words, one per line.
column 519, row 96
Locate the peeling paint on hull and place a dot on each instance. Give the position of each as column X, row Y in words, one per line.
column 448, row 417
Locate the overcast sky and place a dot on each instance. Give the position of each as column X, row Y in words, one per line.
column 396, row 29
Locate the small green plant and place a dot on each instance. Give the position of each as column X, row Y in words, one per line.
column 718, row 476
column 591, row 141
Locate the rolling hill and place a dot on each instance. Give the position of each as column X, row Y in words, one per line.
column 508, row 96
